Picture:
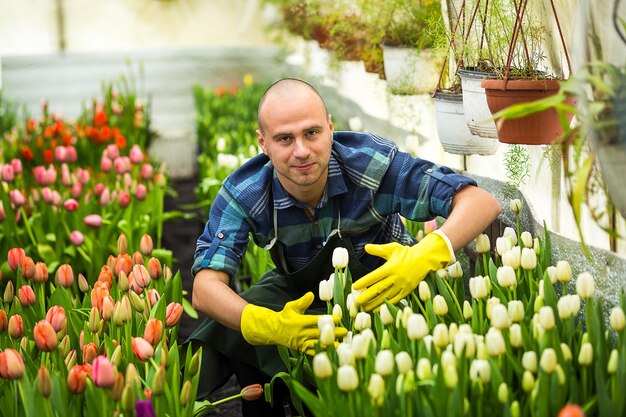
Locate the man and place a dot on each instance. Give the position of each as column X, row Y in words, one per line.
column 310, row 191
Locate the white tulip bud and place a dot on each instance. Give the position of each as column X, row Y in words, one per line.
column 552, row 274
column 528, row 381
column 563, row 271
column 480, row 370
column 585, row 285
column 345, row 354
column 424, row 370
column 512, row 257
column 369, row 335
column 351, row 306
column 546, row 317
column 331, row 281
column 611, row 366
column 482, row 244
column 564, row 307
column 495, row 342
column 503, row 245
column 574, row 301
column 529, row 259
column 376, row 388
column 516, row 310
column 360, row 346
column 515, row 205
column 417, row 327
column 548, row 360
column 447, row 359
column 404, row 362
column 324, row 320
column 481, row 347
column 442, row 273
column 362, row 321
column 340, row 258
column 467, row 310
column 322, row 368
column 567, row 353
column 506, row 276
column 325, row 291
column 327, row 335
column 515, row 336
column 511, row 234
column 428, row 342
column 537, row 246
column 440, row 306
column 337, row 311
column 384, row 362
column 478, row 287
column 493, row 301
column 450, row 377
column 385, row 315
column 500, row 317
column 527, row 239
column 347, row 378
column 453, row 328
column 220, row 145
column 585, row 356
column 423, row 291
column 440, row 335
column 529, row 361
column 455, row 270
column 617, row 320
column 503, row 393
column 464, row 344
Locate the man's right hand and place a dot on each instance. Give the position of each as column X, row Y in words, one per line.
column 289, row 327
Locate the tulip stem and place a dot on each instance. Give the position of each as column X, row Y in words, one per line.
column 223, row 400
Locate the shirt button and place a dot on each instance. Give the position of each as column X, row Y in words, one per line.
column 429, row 170
column 319, row 246
column 220, row 235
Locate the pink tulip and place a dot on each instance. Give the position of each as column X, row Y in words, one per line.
column 7, row 173
column 46, row 194
column 128, row 180
column 77, row 190
column 102, row 372
column 106, row 164
column 15, row 258
column 65, row 276
column 112, row 151
column 146, row 244
column 140, row 192
column 153, row 296
column 77, row 238
column 142, row 349
column 252, row 392
column 136, row 155
column 56, row 198
column 39, row 172
column 77, row 378
column 70, row 204
column 82, row 175
column 11, row 364
column 72, row 155
column 45, row 337
column 26, row 295
column 120, row 165
column 41, row 272
column 153, row 331
column 93, row 220
column 17, row 198
column 16, row 163
column 56, row 317
column 3, row 215
column 173, row 313
column 98, row 189
column 60, row 154
column 146, row 171
column 16, row 326
column 50, row 176
column 66, row 179
column 124, row 200
column 34, row 193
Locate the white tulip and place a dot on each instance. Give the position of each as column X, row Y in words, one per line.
column 515, row 336
column 506, row 276
column 455, row 270
column 515, row 205
column 440, row 306
column 404, row 362
column 384, row 362
column 527, row 239
column 515, row 309
column 574, row 301
column 322, row 368
column 464, row 344
column 480, row 370
column 345, row 354
column 529, row 259
column 585, row 285
column 482, row 244
column 537, row 246
column 500, row 317
column 228, row 161
column 495, row 342
column 362, row 321
column 376, row 388
column 423, row 291
column 503, row 245
column 221, row 144
column 552, row 274
column 563, row 271
column 511, row 234
column 340, row 258
column 585, row 356
column 360, row 346
column 467, row 310
column 564, row 307
column 611, row 366
column 451, row 377
column 548, row 360
column 337, row 311
column 440, row 335
column 424, row 369
column 453, row 328
column 325, row 291
column 385, row 315
column 546, row 317
column 512, row 257
column 351, row 306
column 327, row 335
column 567, row 353
column 492, row 302
column 617, row 320
column 447, row 359
column 417, row 327
column 325, row 319
column 347, row 378
column 503, row 393
column 528, row 381
column 529, row 361
column 478, row 287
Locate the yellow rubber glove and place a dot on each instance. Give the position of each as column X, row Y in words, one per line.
column 406, row 266
column 289, row 327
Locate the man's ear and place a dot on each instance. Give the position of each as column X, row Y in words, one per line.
column 331, row 126
column 261, row 141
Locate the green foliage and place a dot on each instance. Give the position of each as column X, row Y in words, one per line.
column 8, row 115
column 516, row 161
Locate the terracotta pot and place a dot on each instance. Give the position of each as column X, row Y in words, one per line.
column 535, row 129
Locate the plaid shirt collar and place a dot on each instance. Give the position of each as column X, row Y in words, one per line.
column 334, row 187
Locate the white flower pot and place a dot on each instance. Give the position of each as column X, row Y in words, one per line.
column 409, row 71
column 477, row 113
column 454, row 134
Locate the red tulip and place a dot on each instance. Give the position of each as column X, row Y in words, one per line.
column 65, row 276
column 45, row 337
column 26, row 295
column 15, row 258
column 56, row 317
column 28, row 267
column 70, row 204
column 41, row 272
column 44, row 382
column 106, row 276
column 4, row 320
column 16, row 326
column 77, row 190
column 173, row 313
column 11, row 364
column 77, row 378
column 153, row 331
column 571, row 410
column 142, row 349
column 102, row 372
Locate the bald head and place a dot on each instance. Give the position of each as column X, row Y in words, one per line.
column 284, row 88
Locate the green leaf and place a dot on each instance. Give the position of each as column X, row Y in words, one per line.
column 188, row 309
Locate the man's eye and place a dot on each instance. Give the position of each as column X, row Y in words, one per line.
column 311, row 133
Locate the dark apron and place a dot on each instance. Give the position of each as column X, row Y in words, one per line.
column 274, row 290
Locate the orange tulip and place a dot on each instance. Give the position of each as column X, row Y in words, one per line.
column 16, row 326
column 56, row 317
column 11, row 364
column 15, row 258
column 252, row 392
column 102, row 372
column 41, row 272
column 28, row 267
column 173, row 313
column 26, row 295
column 77, row 378
column 153, row 331
column 142, row 276
column 90, row 351
column 146, row 245
column 83, row 285
column 99, row 291
column 122, row 244
column 153, row 296
column 106, row 307
column 44, row 382
column 45, row 337
column 154, row 267
column 106, row 276
column 132, row 283
column 142, row 349
column 4, row 320
column 65, row 276
column 124, row 263
column 138, row 258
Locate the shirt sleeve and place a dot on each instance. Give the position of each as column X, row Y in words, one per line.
column 223, row 243
column 420, row 190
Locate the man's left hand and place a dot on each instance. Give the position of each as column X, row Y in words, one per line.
column 405, row 268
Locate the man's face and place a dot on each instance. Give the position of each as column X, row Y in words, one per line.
column 297, row 137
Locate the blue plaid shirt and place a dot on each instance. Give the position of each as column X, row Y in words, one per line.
column 370, row 184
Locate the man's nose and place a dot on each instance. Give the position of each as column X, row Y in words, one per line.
column 301, row 150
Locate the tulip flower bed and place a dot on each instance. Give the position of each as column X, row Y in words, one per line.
column 522, row 343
